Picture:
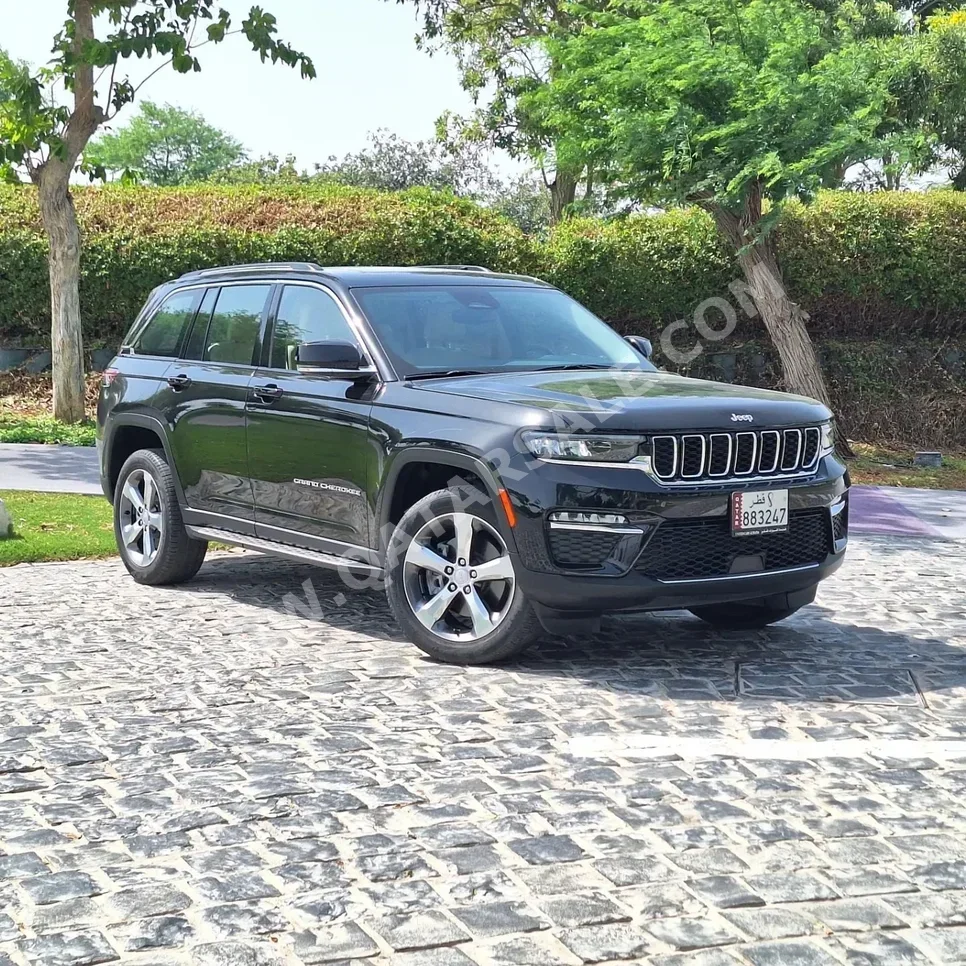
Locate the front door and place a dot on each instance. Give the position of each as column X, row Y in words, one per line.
column 205, row 402
column 308, row 435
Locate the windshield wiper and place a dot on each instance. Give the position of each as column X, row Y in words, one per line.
column 442, row 373
column 576, row 365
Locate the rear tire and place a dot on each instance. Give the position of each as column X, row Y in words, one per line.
column 151, row 537
column 427, row 579
column 746, row 615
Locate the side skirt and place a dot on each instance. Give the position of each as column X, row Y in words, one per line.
column 300, row 554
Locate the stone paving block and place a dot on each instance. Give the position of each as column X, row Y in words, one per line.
column 491, row 919
column 81, row 948
column 9, row 930
column 548, row 849
column 614, row 941
column 845, row 915
column 583, row 910
column 772, row 922
column 685, row 934
column 944, row 945
column 724, row 892
column 335, row 943
column 236, row 953
column 421, row 930
column 441, row 956
column 881, row 949
column 793, row 952
column 540, row 949
column 161, row 932
column 789, row 887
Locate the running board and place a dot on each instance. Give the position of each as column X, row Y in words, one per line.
column 300, row 554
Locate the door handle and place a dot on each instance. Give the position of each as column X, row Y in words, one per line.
column 179, row 382
column 267, row 393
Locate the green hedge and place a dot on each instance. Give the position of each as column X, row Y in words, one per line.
column 864, row 266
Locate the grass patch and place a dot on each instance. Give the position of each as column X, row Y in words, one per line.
column 45, row 429
column 884, row 466
column 56, row 526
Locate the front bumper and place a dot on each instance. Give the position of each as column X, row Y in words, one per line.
column 626, row 581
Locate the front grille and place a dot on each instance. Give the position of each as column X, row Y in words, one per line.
column 718, row 457
column 705, row 548
column 581, row 549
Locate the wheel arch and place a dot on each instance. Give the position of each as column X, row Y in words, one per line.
column 402, row 486
column 128, row 433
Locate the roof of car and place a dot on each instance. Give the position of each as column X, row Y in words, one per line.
column 363, row 276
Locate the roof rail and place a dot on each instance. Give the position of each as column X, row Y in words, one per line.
column 461, row 268
column 271, row 267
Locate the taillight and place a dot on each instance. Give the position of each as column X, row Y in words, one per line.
column 108, row 377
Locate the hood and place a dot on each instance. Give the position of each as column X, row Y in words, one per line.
column 636, row 400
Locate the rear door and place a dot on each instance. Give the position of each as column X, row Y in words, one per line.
column 205, row 400
column 308, row 435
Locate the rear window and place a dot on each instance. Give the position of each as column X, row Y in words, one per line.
column 163, row 334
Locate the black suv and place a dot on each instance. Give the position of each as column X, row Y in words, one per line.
column 480, row 444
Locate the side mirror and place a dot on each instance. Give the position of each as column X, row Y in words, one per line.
column 331, row 358
column 642, row 345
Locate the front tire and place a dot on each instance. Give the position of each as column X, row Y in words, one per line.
column 747, row 615
column 452, row 584
column 151, row 537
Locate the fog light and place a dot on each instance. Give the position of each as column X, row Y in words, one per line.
column 600, row 519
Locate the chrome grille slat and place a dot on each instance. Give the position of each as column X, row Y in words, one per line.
column 791, row 437
column 661, row 471
column 727, row 437
column 687, row 443
column 739, row 467
column 719, row 457
column 776, row 440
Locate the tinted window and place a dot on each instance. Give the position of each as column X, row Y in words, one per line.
column 233, row 332
column 490, row 327
column 197, row 341
column 163, row 333
column 306, row 315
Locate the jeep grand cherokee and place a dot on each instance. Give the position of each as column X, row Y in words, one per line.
column 481, row 444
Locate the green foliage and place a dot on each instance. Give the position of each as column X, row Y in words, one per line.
column 702, row 100
column 942, row 51
column 166, row 146
column 136, row 238
column 44, row 429
column 34, row 125
column 862, row 265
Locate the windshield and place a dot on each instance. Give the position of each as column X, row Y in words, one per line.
column 489, row 328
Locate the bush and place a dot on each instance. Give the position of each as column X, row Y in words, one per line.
column 136, row 238
column 862, row 265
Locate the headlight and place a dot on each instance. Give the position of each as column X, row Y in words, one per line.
column 828, row 440
column 595, row 449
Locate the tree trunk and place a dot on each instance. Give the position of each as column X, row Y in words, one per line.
column 563, row 193
column 785, row 322
column 783, row 318
column 63, row 234
column 52, row 178
column 959, row 179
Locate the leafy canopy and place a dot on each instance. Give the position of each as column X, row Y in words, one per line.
column 36, row 129
column 704, row 100
column 166, row 146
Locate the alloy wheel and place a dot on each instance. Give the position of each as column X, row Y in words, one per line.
column 142, row 522
column 459, row 577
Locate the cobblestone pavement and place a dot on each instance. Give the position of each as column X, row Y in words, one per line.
column 195, row 775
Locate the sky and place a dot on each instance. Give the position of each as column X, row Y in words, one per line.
column 370, row 75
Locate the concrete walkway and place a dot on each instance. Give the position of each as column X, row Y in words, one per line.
column 889, row 510
column 49, row 469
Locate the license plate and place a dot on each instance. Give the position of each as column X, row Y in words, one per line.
column 759, row 511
